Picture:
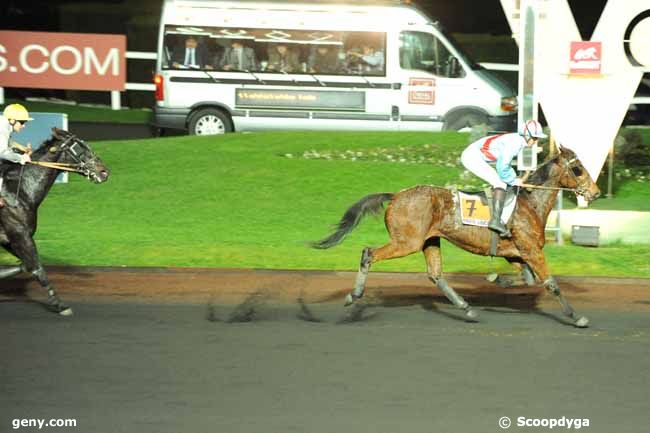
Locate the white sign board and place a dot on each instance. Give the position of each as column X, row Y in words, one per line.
column 586, row 89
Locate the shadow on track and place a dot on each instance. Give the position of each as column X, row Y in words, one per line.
column 255, row 307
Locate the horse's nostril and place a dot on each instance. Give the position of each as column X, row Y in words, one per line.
column 103, row 174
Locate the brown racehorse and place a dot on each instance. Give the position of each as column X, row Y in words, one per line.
column 418, row 217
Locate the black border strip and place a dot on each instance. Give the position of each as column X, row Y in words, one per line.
column 202, row 80
column 282, row 114
column 412, row 118
column 350, row 116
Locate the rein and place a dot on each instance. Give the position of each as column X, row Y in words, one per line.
column 57, row 166
column 528, row 185
column 53, row 165
column 554, row 188
column 76, row 168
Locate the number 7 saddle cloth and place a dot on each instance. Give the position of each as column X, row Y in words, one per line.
column 474, row 207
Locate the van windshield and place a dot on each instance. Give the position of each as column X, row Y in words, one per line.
column 274, row 50
column 463, row 55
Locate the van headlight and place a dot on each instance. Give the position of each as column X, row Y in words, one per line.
column 509, row 104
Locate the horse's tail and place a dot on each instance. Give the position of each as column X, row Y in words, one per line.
column 370, row 204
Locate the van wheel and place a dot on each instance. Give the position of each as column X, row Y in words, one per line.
column 465, row 120
column 209, row 121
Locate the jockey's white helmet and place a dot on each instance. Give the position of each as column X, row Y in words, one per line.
column 532, row 128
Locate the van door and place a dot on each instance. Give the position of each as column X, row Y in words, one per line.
column 432, row 81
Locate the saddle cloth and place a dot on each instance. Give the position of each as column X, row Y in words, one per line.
column 474, row 208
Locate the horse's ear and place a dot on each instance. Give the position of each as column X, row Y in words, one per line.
column 566, row 152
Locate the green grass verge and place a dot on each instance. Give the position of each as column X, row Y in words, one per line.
column 78, row 113
column 240, row 201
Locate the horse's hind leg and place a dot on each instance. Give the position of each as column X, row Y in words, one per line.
column 362, row 275
column 433, row 257
column 369, row 256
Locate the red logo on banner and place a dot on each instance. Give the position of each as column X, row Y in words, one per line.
column 586, row 57
column 422, row 91
column 78, row 61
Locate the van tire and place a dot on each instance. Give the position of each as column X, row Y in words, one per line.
column 465, row 120
column 209, row 121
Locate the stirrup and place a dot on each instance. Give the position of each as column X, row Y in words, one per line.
column 499, row 228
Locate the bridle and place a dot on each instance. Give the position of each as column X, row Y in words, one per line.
column 569, row 167
column 68, row 146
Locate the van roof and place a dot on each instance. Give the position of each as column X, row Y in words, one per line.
column 379, row 12
column 305, row 2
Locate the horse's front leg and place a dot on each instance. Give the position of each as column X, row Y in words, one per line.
column 538, row 264
column 25, row 249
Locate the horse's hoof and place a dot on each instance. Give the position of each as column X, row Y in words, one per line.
column 582, row 322
column 66, row 312
column 471, row 314
column 349, row 300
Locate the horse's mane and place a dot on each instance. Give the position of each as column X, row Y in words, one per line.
column 12, row 171
column 44, row 148
column 543, row 171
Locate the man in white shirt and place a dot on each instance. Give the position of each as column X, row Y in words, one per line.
column 368, row 60
column 238, row 57
column 193, row 55
column 13, row 119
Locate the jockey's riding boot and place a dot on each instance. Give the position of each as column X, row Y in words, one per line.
column 498, row 200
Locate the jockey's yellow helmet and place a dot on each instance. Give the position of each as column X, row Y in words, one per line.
column 16, row 112
column 532, row 129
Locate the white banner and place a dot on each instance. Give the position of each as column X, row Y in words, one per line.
column 585, row 89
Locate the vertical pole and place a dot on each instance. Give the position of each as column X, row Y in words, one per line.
column 558, row 233
column 63, row 177
column 527, row 109
column 2, row 95
column 116, row 100
column 610, row 173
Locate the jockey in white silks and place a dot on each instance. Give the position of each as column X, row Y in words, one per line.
column 500, row 150
column 13, row 119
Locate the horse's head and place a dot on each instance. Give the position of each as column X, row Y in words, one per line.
column 72, row 150
column 575, row 176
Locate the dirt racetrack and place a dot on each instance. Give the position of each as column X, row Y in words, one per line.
column 233, row 351
column 232, row 286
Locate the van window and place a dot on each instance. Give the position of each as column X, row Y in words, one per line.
column 274, row 50
column 423, row 51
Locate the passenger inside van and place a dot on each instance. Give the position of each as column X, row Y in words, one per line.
column 190, row 55
column 283, row 59
column 324, row 59
column 238, row 57
column 365, row 60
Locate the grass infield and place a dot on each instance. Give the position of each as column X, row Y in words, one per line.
column 255, row 200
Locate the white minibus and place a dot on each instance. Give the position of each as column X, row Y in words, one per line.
column 279, row 65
